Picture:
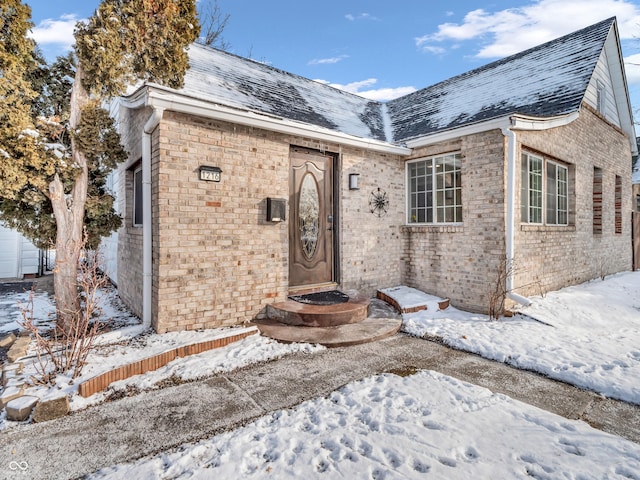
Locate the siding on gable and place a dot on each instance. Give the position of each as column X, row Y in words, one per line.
column 603, row 75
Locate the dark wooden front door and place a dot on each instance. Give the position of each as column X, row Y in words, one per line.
column 310, row 218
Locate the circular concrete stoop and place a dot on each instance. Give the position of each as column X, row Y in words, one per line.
column 360, row 320
column 368, row 330
column 295, row 313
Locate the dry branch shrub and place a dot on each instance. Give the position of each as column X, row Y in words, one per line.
column 65, row 350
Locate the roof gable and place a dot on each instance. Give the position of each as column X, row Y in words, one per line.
column 544, row 81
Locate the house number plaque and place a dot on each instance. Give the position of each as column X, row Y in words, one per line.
column 210, row 174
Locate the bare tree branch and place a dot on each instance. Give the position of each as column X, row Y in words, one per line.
column 213, row 22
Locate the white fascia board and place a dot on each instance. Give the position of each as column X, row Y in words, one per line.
column 160, row 97
column 498, row 123
column 518, row 122
column 523, row 122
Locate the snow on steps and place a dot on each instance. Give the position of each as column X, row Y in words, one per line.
column 410, row 300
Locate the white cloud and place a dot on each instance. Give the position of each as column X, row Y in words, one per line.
column 433, row 49
column 361, row 16
column 327, row 61
column 632, row 68
column 512, row 30
column 380, row 94
column 56, row 31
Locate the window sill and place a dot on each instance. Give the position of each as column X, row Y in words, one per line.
column 547, row 228
column 438, row 228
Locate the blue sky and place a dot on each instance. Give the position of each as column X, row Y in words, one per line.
column 382, row 49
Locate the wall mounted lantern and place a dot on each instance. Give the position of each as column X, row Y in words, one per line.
column 210, row 174
column 276, row 209
column 353, row 181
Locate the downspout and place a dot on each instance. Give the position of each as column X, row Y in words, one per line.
column 511, row 210
column 147, row 252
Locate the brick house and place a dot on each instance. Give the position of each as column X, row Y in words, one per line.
column 259, row 182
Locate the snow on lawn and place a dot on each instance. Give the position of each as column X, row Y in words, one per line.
column 253, row 349
column 128, row 343
column 389, row 427
column 11, row 306
column 588, row 335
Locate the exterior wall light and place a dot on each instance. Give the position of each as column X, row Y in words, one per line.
column 353, row 181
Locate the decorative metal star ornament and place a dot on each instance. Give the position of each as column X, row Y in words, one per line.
column 378, row 202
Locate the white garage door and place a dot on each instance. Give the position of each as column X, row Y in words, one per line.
column 9, row 249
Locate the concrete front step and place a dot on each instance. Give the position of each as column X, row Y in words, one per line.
column 369, row 330
column 302, row 314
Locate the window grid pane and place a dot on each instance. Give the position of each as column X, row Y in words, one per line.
column 535, row 189
column 552, row 194
column 544, row 180
column 435, row 184
column 563, row 195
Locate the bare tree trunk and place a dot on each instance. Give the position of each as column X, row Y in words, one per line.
column 68, row 209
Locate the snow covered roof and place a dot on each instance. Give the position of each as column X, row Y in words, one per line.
column 239, row 82
column 544, row 81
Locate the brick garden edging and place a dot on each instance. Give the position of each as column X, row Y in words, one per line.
column 100, row 382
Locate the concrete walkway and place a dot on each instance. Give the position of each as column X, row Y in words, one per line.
column 130, row 428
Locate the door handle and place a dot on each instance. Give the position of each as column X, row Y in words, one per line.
column 330, row 222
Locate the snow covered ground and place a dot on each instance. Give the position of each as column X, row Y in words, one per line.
column 390, row 427
column 130, row 343
column 588, row 335
column 426, row 425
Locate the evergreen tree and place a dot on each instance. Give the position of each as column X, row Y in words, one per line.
column 54, row 166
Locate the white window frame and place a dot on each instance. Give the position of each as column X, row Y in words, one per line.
column 537, row 214
column 442, row 198
column 137, row 199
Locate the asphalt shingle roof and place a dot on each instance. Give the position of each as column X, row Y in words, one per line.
column 547, row 80
column 544, row 81
column 225, row 78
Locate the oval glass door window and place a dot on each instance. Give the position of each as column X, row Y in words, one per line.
column 309, row 216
